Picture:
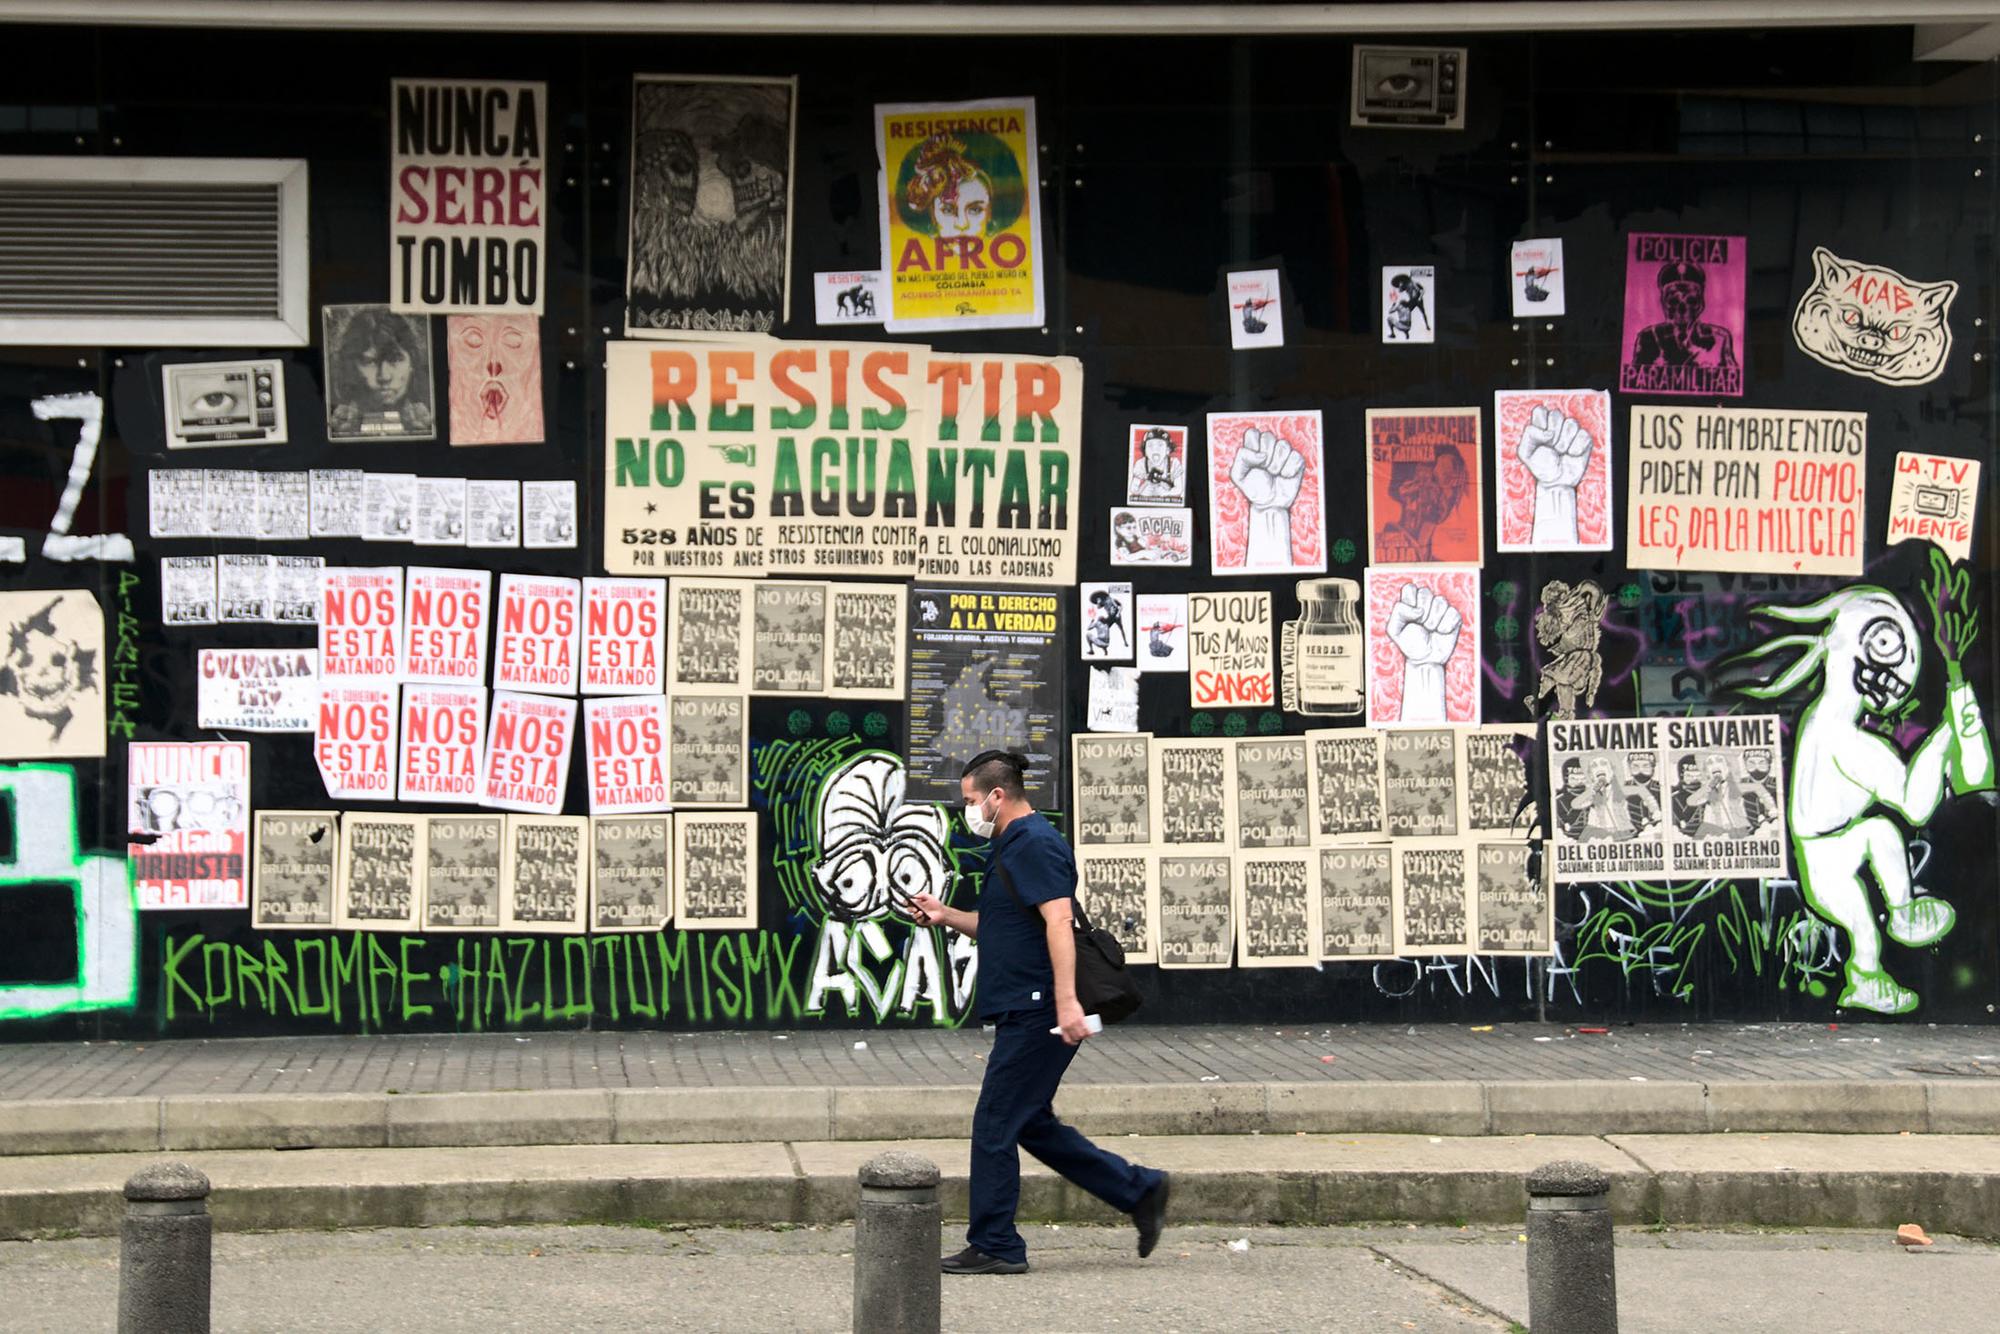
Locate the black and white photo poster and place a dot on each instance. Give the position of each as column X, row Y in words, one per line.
column 1119, row 894
column 632, row 881
column 1357, row 902
column 1273, row 806
column 1493, row 780
column 1194, row 788
column 867, row 630
column 379, row 384
column 381, row 871
column 1197, row 917
column 1277, row 905
column 1420, row 783
column 1433, row 897
column 1346, row 777
column 715, row 870
column 711, row 205
column 1111, row 786
column 468, row 187
column 1516, row 911
column 708, row 750
column 548, row 873
column 224, row 403
column 295, row 866
column 464, row 876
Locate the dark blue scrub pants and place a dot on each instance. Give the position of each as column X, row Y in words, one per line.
column 1014, row 1112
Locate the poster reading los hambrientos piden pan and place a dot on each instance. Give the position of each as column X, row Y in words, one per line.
column 961, row 215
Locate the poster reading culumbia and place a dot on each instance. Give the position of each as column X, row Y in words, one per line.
column 961, row 214
column 1684, row 315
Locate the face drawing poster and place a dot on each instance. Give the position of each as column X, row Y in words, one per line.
column 1194, row 787
column 1552, row 469
column 626, row 746
column 224, row 403
column 715, row 870
column 1156, row 466
column 961, row 214
column 1345, row 773
column 1606, row 804
column 528, row 742
column 708, row 750
column 1538, row 279
column 378, row 375
column 1277, row 907
column 1409, row 296
column 788, row 640
column 1119, row 894
column 548, row 873
column 1684, row 315
column 986, row 672
column 464, row 879
column 1727, row 810
column 1433, row 897
column 711, row 205
column 624, row 636
column 1256, row 310
column 1420, row 783
column 190, row 802
column 1357, row 903
column 444, row 741
column 296, row 864
column 1493, row 789
column 1152, row 536
column 708, row 629
column 1423, row 645
column 496, row 379
column 1873, row 322
column 1515, row 910
column 470, row 196
column 856, row 296
column 1197, row 910
column 1933, row 500
column 1162, row 631
column 1106, row 621
column 354, row 740
column 1265, row 499
column 1424, row 504
column 51, row 675
column 632, row 876
column 868, row 629
column 1111, row 788
column 1272, row 797
column 382, row 863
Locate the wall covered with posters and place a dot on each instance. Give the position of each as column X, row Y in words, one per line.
column 1466, row 540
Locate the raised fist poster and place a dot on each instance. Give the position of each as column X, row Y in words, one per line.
column 1552, row 469
column 1684, row 315
column 1424, row 505
column 1423, row 645
column 1266, row 510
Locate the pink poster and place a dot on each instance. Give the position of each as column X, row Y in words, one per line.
column 354, row 741
column 445, row 618
column 360, row 623
column 1265, row 513
column 1423, row 645
column 496, row 379
column 626, row 737
column 1684, row 316
column 1552, row 462
column 528, row 744
column 540, row 621
column 624, row 636
column 444, row 733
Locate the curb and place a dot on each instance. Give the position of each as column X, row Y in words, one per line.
column 181, row 1123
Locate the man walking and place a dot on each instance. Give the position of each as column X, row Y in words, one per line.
column 1027, row 988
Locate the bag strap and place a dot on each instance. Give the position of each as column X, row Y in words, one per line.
column 1078, row 920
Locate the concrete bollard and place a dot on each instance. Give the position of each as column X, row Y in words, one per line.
column 1572, row 1278
column 896, row 1238
column 163, row 1258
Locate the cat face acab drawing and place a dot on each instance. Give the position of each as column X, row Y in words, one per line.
column 1873, row 322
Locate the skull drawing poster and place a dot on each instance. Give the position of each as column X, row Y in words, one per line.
column 1265, row 501
column 496, row 379
column 1684, row 315
column 1423, row 645
column 1552, row 470
column 1423, row 487
column 711, row 205
column 961, row 214
column 51, row 675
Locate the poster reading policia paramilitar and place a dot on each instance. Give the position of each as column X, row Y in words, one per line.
column 961, row 214
column 755, row 458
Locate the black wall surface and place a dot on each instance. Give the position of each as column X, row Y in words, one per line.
column 1164, row 163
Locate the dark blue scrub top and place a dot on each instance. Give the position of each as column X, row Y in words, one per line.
column 1014, row 972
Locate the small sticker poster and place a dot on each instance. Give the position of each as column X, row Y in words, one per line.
column 295, row 589
column 284, row 504
column 188, row 811
column 540, row 625
column 852, row 296
column 868, row 630
column 1194, row 787
column 354, row 741
column 1119, row 895
column 1423, row 645
column 1357, row 902
column 242, row 588
column 492, row 512
column 632, row 872
column 1552, row 469
column 446, row 614
column 1727, row 810
column 548, row 515
column 1433, row 897
column 496, row 379
column 468, row 171
column 1197, row 910
column 1345, row 779
column 1408, row 87
column 378, row 374
column 1538, row 278
column 464, row 873
column 1156, row 465
column 440, row 512
column 1607, row 822
column 528, row 742
column 1409, row 296
column 1114, row 700
column 360, row 623
column 333, row 502
column 1277, row 903
column 1152, row 536
column 1106, row 621
column 256, row 689
column 224, row 403
column 625, row 739
column 444, row 739
column 295, row 870
column 624, row 636
column 715, row 870
column 1162, row 632
column 548, row 874
column 1266, row 505
column 1256, row 309
column 388, row 506
column 1933, row 499
column 1424, row 500
column 1684, row 315
column 187, row 590
column 1515, row 910
column 708, row 750
column 382, row 863
column 231, row 495
column 1230, row 663
column 1111, row 785
column 1273, row 798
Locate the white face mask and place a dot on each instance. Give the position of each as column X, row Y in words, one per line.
column 977, row 820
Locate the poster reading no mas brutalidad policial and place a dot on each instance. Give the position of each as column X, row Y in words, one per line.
column 961, row 214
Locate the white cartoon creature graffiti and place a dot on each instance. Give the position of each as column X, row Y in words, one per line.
column 877, row 849
column 1871, row 321
column 1867, row 656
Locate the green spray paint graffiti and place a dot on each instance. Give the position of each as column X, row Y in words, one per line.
column 41, row 807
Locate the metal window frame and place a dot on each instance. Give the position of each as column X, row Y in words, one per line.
column 291, row 328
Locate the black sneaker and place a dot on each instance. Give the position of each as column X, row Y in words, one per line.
column 1151, row 1215
column 972, row 1260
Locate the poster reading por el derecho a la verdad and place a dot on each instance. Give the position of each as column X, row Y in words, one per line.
column 961, row 214
column 756, row 458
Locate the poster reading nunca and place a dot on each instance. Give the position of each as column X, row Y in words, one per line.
column 961, row 217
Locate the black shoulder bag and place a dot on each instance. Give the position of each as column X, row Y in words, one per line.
column 1103, row 987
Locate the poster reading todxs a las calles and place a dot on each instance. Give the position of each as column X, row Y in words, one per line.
column 856, row 459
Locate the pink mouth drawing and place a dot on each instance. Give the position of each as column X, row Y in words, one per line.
column 494, row 398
